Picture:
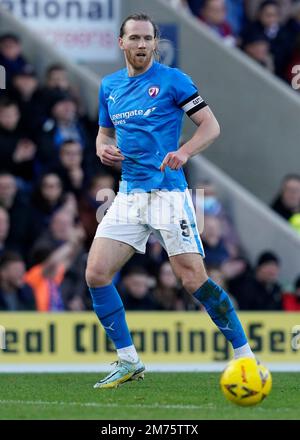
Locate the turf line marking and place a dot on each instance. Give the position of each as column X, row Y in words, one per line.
column 209, row 406
column 105, row 405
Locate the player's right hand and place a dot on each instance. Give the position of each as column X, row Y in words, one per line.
column 109, row 154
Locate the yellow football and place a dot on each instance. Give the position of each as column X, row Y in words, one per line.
column 244, row 382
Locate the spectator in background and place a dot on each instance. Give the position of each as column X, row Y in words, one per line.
column 252, row 6
column 4, row 229
column 11, row 57
column 168, row 294
column 57, row 79
column 268, row 23
column 58, row 232
column 64, row 124
column 135, row 290
column 226, row 256
column 256, row 45
column 214, row 247
column 50, row 264
column 17, row 152
column 234, row 12
column 70, row 169
column 235, row 268
column 25, row 91
column 291, row 300
column 287, row 203
column 267, row 277
column 47, row 198
column 20, row 235
column 61, row 230
column 213, row 13
column 15, row 295
column 213, row 206
column 260, row 291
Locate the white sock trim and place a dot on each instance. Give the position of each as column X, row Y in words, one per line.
column 128, row 354
column 243, row 351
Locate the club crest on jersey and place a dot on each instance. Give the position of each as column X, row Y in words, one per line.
column 153, row 91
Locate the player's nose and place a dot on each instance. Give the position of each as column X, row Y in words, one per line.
column 142, row 43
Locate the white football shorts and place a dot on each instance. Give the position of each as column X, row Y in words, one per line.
column 170, row 215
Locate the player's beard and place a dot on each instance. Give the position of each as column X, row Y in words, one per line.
column 139, row 63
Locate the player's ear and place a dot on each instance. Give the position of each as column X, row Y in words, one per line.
column 121, row 43
column 155, row 50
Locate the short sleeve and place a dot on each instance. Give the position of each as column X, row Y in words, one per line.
column 186, row 94
column 104, row 118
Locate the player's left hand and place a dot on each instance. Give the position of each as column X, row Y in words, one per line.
column 174, row 160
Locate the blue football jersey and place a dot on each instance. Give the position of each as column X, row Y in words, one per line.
column 147, row 111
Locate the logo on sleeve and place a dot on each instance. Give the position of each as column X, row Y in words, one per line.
column 153, row 91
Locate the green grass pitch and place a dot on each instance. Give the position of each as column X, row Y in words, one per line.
column 164, row 396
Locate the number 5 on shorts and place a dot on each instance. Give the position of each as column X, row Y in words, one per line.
column 185, row 228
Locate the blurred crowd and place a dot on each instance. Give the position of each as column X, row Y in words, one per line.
column 49, row 180
column 268, row 31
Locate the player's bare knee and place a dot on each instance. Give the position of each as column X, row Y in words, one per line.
column 95, row 277
column 192, row 280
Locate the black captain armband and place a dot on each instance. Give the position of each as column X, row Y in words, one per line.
column 192, row 104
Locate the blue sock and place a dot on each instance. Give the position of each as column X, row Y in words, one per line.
column 111, row 313
column 218, row 305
